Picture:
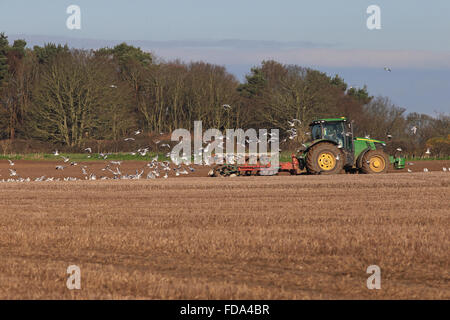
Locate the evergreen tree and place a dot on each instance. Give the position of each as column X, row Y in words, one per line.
column 4, row 47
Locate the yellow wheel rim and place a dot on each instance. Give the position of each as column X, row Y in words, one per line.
column 327, row 161
column 377, row 164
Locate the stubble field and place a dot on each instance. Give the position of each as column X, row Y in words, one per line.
column 299, row 237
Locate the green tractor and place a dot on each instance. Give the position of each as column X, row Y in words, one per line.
column 334, row 147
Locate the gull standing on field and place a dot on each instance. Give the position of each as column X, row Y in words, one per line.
column 11, row 163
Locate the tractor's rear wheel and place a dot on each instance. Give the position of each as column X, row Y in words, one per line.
column 324, row 158
column 374, row 162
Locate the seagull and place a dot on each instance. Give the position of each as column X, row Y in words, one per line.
column 444, row 169
column 88, row 150
column 409, row 170
column 414, row 129
column 425, row 170
column 118, row 163
column 12, row 172
column 11, row 163
column 389, row 136
column 59, row 167
column 387, row 69
column 293, row 121
column 428, row 151
column 367, row 137
column 115, row 173
column 56, row 153
column 226, row 106
column 65, row 159
column 137, row 132
column 129, row 139
column 399, row 149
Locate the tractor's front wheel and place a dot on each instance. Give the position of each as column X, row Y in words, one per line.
column 324, row 158
column 375, row 161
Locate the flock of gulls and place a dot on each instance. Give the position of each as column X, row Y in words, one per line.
column 158, row 169
column 152, row 170
column 155, row 168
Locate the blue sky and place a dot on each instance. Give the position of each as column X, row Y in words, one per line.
column 329, row 35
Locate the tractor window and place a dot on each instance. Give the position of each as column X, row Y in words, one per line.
column 316, row 132
column 334, row 132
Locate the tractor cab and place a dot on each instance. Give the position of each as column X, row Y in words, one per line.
column 335, row 130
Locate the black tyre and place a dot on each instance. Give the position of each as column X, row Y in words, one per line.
column 324, row 158
column 375, row 162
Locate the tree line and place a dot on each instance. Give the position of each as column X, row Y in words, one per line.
column 64, row 96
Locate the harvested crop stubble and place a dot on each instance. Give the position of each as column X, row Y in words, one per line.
column 282, row 237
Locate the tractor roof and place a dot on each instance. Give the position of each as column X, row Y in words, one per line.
column 341, row 119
